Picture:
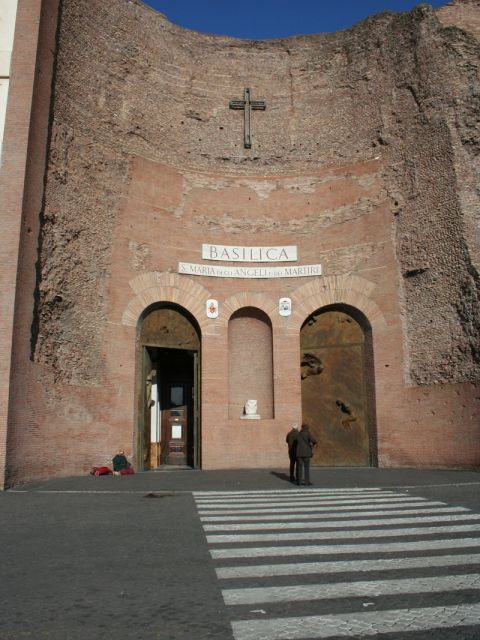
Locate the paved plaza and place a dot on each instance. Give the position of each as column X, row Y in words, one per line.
column 391, row 554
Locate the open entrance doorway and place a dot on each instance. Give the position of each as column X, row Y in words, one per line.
column 337, row 386
column 169, row 421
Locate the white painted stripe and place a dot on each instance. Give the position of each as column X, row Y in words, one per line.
column 303, row 497
column 332, row 549
column 320, row 524
column 443, row 484
column 345, row 566
column 297, row 504
column 319, row 509
column 340, row 534
column 361, row 624
column 338, row 513
column 286, row 492
column 370, row 589
column 298, row 492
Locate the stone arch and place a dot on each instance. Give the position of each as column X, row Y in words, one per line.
column 153, row 287
column 349, row 290
column 247, row 299
column 169, row 291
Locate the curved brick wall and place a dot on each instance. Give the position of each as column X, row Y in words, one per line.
column 367, row 157
column 129, row 82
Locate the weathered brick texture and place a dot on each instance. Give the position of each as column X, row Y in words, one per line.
column 366, row 158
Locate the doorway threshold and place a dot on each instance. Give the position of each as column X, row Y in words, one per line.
column 170, row 467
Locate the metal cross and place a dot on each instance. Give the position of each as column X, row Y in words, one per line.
column 247, row 105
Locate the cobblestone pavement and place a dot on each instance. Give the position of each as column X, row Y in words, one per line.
column 112, row 566
column 344, row 563
column 150, row 557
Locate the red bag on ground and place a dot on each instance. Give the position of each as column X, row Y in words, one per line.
column 127, row 472
column 101, row 471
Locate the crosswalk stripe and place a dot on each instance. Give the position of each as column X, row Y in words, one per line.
column 290, row 491
column 340, row 549
column 340, row 525
column 304, row 497
column 367, row 589
column 365, row 623
column 320, row 524
column 345, row 566
column 339, row 534
column 338, row 513
column 302, row 509
column 310, row 501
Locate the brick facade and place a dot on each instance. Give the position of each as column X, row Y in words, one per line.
column 365, row 159
column 21, row 192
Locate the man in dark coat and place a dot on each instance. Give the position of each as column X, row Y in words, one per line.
column 305, row 443
column 291, row 440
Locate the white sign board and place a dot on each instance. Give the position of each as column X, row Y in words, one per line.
column 176, row 431
column 297, row 271
column 248, row 254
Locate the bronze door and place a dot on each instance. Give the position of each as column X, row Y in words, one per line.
column 334, row 398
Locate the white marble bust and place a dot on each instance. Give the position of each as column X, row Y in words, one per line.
column 250, row 410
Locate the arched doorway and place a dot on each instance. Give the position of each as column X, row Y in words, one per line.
column 337, row 386
column 168, row 400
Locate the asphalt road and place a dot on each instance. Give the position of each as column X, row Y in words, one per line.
column 128, row 558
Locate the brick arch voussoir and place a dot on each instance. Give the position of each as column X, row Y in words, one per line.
column 247, row 299
column 171, row 294
column 307, row 300
column 165, row 279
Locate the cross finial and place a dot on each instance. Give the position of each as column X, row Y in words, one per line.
column 247, row 105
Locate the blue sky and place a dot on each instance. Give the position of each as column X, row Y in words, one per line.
column 264, row 19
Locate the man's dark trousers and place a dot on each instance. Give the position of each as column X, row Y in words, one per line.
column 293, row 467
column 303, row 465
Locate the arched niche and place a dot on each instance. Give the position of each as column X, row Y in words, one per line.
column 337, row 381
column 250, row 361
